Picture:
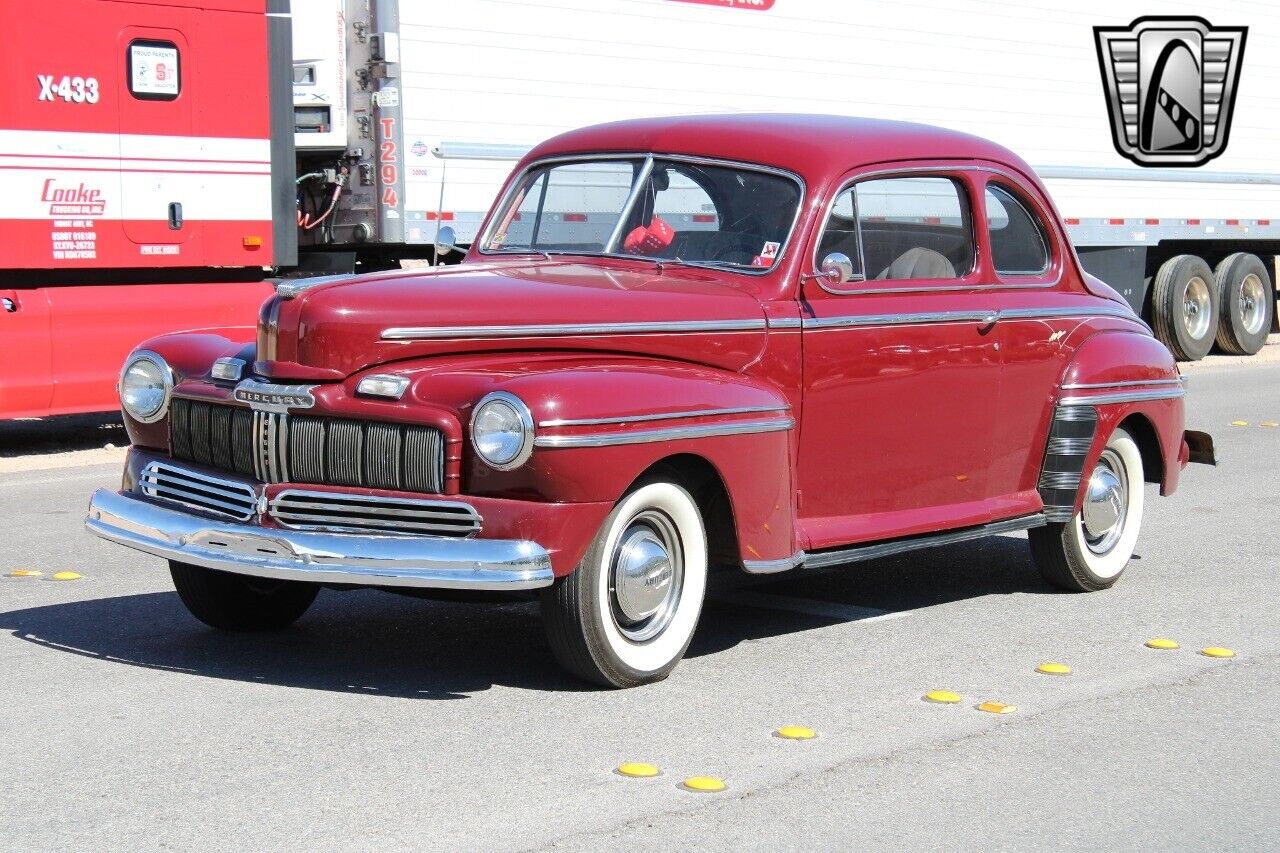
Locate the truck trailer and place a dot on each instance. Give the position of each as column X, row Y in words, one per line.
column 173, row 159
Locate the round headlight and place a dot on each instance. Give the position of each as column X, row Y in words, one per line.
column 145, row 385
column 502, row 430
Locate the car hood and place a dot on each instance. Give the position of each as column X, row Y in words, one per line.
column 337, row 327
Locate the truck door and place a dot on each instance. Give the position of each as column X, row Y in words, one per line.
column 26, row 384
column 157, row 181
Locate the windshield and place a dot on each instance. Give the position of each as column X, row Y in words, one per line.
column 665, row 209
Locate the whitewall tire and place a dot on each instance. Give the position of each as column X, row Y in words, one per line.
column 626, row 615
column 1090, row 551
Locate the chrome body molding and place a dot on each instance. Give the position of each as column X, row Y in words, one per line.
column 1171, row 393
column 874, row 550
column 417, row 333
column 425, row 562
column 1134, row 383
column 1071, row 435
column 268, row 397
column 785, row 322
column 665, row 416
column 769, row 567
column 986, row 316
column 647, row 436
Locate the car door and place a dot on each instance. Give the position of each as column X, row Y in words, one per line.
column 1027, row 263
column 901, row 374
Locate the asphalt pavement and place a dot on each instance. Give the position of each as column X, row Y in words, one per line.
column 383, row 722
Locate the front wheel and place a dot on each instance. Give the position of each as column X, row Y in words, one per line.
column 233, row 602
column 1090, row 551
column 626, row 615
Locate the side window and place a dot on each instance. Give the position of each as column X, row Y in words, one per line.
column 1018, row 243
column 914, row 228
column 902, row 228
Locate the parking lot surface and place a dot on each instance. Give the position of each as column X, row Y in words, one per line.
column 383, row 722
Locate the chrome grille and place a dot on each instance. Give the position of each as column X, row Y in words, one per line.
column 201, row 491
column 288, row 448
column 310, row 510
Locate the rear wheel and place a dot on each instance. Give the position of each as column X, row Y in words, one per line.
column 233, row 602
column 1247, row 303
column 1184, row 307
column 1090, row 551
column 626, row 615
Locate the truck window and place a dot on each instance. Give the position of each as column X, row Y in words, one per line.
column 1018, row 244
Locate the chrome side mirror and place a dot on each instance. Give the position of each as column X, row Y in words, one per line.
column 446, row 241
column 837, row 268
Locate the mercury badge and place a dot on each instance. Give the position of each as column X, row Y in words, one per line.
column 265, row 397
column 1170, row 84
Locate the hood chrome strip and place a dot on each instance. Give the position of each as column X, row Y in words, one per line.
column 665, row 416
column 648, row 436
column 411, row 333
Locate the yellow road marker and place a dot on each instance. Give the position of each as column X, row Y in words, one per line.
column 1053, row 669
column 1217, row 652
column 796, row 733
column 1161, row 643
column 1270, row 424
column 1239, row 423
column 66, row 576
column 637, row 770
column 997, row 708
column 24, row 573
column 943, row 697
column 703, row 784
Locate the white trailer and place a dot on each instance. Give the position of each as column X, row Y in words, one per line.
column 428, row 105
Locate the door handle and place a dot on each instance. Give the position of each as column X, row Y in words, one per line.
column 8, row 305
column 988, row 321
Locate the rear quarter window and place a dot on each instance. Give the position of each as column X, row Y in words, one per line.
column 1019, row 245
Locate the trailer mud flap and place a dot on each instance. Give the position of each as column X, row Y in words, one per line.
column 1200, row 447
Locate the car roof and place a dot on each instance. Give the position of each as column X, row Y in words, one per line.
column 813, row 146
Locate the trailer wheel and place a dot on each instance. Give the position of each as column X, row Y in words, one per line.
column 1247, row 305
column 1184, row 307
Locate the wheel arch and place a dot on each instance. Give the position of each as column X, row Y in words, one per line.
column 1144, row 434
column 703, row 481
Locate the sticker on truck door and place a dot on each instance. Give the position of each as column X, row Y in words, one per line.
column 154, row 72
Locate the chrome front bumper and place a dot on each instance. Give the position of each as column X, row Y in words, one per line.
column 369, row 560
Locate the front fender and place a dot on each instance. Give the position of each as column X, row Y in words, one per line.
column 600, row 422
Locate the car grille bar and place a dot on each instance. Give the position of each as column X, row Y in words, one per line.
column 201, row 491
column 336, row 511
column 287, row 448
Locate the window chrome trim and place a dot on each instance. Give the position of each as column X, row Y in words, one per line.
column 648, row 436
column 1036, row 220
column 409, row 333
column 509, row 193
column 951, row 284
column 1125, row 397
column 665, row 416
column 638, row 181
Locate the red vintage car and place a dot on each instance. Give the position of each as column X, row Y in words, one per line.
column 766, row 342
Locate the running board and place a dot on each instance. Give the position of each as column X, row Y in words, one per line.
column 875, row 550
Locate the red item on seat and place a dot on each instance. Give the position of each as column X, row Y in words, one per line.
column 651, row 240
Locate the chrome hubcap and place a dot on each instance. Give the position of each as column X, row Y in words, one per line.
column 1106, row 502
column 646, row 576
column 1195, row 308
column 1253, row 305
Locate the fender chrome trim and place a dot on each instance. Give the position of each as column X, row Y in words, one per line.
column 1092, row 386
column 647, row 436
column 413, row 333
column 975, row 316
column 665, row 416
column 429, row 562
column 1125, row 397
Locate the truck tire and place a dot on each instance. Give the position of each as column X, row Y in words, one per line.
column 1247, row 303
column 233, row 602
column 627, row 613
column 1184, row 307
column 1090, row 552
